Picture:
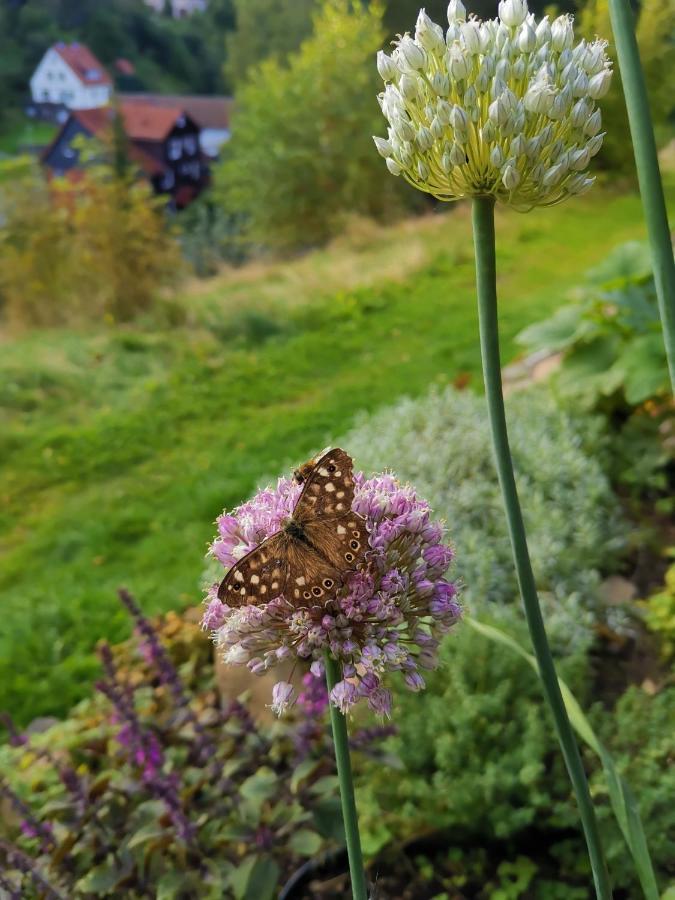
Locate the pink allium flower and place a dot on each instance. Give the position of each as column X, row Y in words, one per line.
column 389, row 615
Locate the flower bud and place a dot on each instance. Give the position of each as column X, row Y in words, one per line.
column 441, row 84
column 510, row 176
column 424, row 138
column 543, row 32
column 527, row 39
column 580, row 85
column 498, row 112
column 436, row 128
column 422, row 170
column 539, row 97
column 579, row 184
column 457, row 155
column 411, row 53
column 595, row 143
column 595, row 57
column 456, row 11
column 593, row 124
column 428, row 34
column 446, row 163
column 387, row 68
column 457, row 63
column 579, row 159
column 598, row 85
column 482, row 82
column 444, row 111
column 458, row 119
column 512, row 12
column 384, row 148
column 518, row 146
column 488, row 132
column 403, row 129
column 580, row 113
column 519, row 68
column 409, row 87
column 393, row 167
column 496, row 157
column 503, row 70
column 470, row 36
column 562, row 34
column 553, row 175
column 470, row 97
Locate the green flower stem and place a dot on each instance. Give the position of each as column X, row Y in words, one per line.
column 647, row 163
column 486, row 278
column 344, row 770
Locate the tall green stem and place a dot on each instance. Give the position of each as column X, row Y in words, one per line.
column 486, row 277
column 344, row 770
column 647, row 163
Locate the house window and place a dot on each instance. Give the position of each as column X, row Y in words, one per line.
column 190, row 145
column 69, row 153
column 175, row 149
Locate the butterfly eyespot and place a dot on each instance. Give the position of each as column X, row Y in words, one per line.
column 327, row 583
column 307, row 595
column 356, row 534
column 317, row 591
column 354, row 545
column 349, row 557
column 331, row 467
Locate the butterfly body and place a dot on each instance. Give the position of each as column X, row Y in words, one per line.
column 318, row 544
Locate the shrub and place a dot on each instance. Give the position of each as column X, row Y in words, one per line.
column 69, row 253
column 478, row 753
column 441, row 443
column 210, row 237
column 301, row 155
column 640, row 734
column 659, row 613
column 154, row 788
column 655, row 27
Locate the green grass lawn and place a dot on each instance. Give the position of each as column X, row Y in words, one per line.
column 18, row 132
column 120, row 446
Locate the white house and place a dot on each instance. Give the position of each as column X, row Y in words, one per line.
column 70, row 75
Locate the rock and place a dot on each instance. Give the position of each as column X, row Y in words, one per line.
column 617, row 591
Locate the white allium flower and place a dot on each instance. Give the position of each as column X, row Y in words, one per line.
column 503, row 108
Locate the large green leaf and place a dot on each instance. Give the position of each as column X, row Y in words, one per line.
column 106, row 876
column 643, row 367
column 255, row 878
column 556, row 333
column 624, row 805
column 627, row 262
column 305, row 842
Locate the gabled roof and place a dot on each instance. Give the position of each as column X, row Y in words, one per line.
column 207, row 112
column 146, row 122
column 83, row 63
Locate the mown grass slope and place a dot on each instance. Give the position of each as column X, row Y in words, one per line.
column 119, row 446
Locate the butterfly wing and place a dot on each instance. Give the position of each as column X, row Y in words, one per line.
column 329, row 487
column 312, row 578
column 259, row 576
column 324, row 510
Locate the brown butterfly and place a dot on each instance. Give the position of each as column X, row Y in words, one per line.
column 320, row 542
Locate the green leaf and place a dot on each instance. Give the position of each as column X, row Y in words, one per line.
column 256, row 878
column 147, row 833
column 643, row 363
column 627, row 262
column 624, row 805
column 106, row 876
column 170, row 885
column 261, row 786
column 303, row 771
column 329, row 784
column 328, row 819
column 556, row 333
column 305, row 842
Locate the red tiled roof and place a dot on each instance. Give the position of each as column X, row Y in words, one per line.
column 146, row 122
column 83, row 63
column 208, row 112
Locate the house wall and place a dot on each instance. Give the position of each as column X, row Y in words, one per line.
column 62, row 156
column 212, row 139
column 55, row 82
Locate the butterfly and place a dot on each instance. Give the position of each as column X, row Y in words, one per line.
column 318, row 544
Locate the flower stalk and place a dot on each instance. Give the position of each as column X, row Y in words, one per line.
column 647, row 164
column 484, row 242
column 344, row 770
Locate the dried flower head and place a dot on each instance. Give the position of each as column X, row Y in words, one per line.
column 388, row 616
column 504, row 107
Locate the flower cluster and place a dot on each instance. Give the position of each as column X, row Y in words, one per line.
column 502, row 108
column 389, row 615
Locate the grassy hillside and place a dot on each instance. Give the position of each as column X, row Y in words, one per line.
column 120, row 446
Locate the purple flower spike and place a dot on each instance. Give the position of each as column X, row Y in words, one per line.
column 388, row 615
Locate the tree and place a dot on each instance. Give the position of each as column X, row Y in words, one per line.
column 655, row 29
column 301, row 154
column 266, row 29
